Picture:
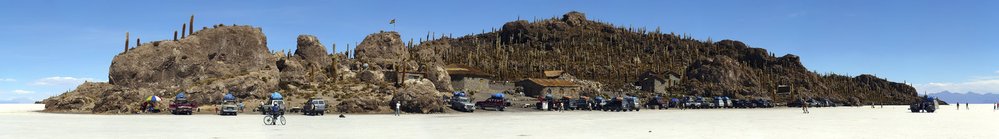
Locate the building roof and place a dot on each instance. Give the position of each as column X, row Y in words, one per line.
column 656, row 76
column 672, row 73
column 454, row 69
column 552, row 82
column 649, row 74
column 553, row 73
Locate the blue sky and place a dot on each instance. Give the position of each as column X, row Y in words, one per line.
column 51, row 46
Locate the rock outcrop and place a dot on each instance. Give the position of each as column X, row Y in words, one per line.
column 80, row 100
column 308, row 67
column 203, row 56
column 204, row 65
column 382, row 50
column 312, row 52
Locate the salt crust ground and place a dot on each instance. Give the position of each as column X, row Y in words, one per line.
column 890, row 122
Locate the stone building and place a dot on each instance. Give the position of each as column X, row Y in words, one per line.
column 657, row 83
column 557, row 87
column 468, row 78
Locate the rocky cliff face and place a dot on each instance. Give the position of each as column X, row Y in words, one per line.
column 615, row 56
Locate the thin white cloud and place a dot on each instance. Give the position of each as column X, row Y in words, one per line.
column 60, row 81
column 21, row 92
column 8, row 80
column 797, row 14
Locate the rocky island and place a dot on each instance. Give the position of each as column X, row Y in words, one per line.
column 603, row 59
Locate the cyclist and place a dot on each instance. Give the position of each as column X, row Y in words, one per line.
column 274, row 113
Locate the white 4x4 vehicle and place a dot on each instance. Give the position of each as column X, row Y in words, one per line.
column 266, row 108
column 314, row 106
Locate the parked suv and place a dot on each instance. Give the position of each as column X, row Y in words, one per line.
column 314, row 106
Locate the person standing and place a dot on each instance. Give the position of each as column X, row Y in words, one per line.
column 958, row 105
column 241, row 106
column 398, row 111
column 966, row 106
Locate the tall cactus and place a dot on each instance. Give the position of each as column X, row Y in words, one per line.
column 126, row 41
column 192, row 25
column 183, row 31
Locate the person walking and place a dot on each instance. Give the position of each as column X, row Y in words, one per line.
column 561, row 107
column 804, row 107
column 398, row 111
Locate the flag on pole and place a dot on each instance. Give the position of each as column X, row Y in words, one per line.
column 392, row 21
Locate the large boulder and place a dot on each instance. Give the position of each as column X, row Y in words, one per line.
column 374, row 77
column 312, row 52
column 432, row 64
column 382, row 50
column 310, row 65
column 419, row 96
column 574, row 18
column 292, row 72
column 440, row 78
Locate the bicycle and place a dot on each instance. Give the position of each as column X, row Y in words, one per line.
column 271, row 120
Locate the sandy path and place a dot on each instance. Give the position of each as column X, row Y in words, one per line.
column 16, row 121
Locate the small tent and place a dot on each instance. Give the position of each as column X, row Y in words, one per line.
column 276, row 96
column 497, row 96
column 228, row 96
column 180, row 96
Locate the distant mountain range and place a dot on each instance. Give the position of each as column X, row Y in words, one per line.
column 969, row 97
column 16, row 101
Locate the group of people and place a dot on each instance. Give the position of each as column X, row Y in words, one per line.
column 965, row 106
column 995, row 106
